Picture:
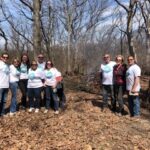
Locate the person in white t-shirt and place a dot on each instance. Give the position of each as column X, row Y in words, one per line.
column 51, row 73
column 41, row 62
column 133, row 86
column 14, row 79
column 4, row 82
column 106, row 75
column 24, row 67
column 35, row 84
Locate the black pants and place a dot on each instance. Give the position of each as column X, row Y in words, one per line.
column 118, row 93
column 23, row 89
column 61, row 94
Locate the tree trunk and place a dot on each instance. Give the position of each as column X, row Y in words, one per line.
column 131, row 46
column 36, row 28
column 148, row 50
column 148, row 45
column 69, row 54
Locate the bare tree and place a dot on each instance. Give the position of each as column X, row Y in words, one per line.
column 3, row 35
column 145, row 11
column 78, row 17
column 130, row 11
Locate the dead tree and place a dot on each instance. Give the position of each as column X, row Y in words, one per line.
column 3, row 35
column 145, row 11
column 130, row 11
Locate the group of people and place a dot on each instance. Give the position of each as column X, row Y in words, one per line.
column 118, row 78
column 39, row 81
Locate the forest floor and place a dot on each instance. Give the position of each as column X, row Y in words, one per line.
column 81, row 126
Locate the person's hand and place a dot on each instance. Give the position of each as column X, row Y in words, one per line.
column 44, row 84
column 133, row 91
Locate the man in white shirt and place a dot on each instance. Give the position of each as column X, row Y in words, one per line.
column 41, row 62
column 4, row 81
column 133, row 86
column 106, row 74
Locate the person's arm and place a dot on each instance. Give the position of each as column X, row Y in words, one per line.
column 100, row 75
column 136, row 83
column 137, row 74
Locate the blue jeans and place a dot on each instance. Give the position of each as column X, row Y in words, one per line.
column 3, row 97
column 34, row 93
column 13, row 89
column 51, row 95
column 108, row 89
column 134, row 105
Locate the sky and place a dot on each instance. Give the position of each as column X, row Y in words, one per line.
column 108, row 21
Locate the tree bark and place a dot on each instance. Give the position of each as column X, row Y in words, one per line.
column 36, row 28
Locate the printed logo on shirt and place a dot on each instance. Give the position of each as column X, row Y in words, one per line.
column 17, row 72
column 107, row 69
column 41, row 67
column 6, row 70
column 49, row 75
column 23, row 69
column 31, row 76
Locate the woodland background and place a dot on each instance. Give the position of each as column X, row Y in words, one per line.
column 75, row 34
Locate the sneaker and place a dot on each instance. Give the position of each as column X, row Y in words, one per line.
column 31, row 109
column 36, row 110
column 45, row 111
column 11, row 113
column 56, row 112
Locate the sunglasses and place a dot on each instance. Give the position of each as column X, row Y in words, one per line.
column 34, row 64
column 106, row 57
column 130, row 59
column 48, row 64
column 40, row 57
column 5, row 57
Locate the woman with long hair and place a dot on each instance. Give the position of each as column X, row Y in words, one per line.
column 24, row 67
column 50, row 83
column 35, row 84
column 119, row 75
column 14, row 79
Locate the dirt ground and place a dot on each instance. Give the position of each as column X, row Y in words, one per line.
column 81, row 126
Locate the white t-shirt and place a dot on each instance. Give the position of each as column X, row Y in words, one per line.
column 4, row 75
column 35, row 78
column 14, row 74
column 132, row 72
column 50, row 76
column 107, row 73
column 23, row 71
column 41, row 66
